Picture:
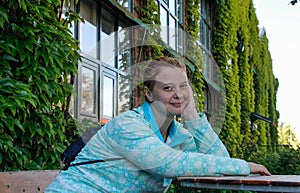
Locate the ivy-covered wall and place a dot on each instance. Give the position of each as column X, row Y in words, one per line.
column 34, row 85
column 246, row 64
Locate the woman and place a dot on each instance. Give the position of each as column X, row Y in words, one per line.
column 145, row 148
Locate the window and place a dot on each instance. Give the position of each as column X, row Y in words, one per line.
column 88, row 29
column 164, row 24
column 124, row 47
column 102, row 83
column 107, row 44
column 124, row 94
column 171, row 19
column 87, row 90
column 205, row 37
column 108, row 95
column 205, row 24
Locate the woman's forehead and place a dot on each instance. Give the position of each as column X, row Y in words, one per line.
column 167, row 74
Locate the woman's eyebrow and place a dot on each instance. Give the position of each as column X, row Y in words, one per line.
column 171, row 83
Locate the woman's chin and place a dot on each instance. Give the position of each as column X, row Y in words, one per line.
column 173, row 113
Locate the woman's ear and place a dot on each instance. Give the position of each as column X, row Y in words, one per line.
column 148, row 94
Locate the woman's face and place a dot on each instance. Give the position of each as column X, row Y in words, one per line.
column 171, row 89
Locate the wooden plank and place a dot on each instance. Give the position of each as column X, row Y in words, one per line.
column 274, row 183
column 275, row 180
column 26, row 181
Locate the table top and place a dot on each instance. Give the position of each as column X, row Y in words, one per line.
column 277, row 180
column 274, row 183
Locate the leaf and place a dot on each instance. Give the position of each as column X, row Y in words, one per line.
column 9, row 58
column 3, row 17
column 28, row 97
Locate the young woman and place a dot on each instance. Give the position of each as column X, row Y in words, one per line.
column 145, row 148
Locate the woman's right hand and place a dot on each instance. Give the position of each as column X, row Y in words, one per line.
column 258, row 168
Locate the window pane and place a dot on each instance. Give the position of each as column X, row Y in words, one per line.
column 108, row 96
column 88, row 30
column 164, row 24
column 180, row 44
column 172, row 6
column 172, row 32
column 124, row 94
column 179, row 11
column 124, row 48
column 107, row 38
column 88, row 91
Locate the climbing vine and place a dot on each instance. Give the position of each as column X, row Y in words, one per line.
column 37, row 55
column 194, row 53
column 250, row 84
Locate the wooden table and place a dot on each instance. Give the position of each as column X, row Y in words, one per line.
column 26, row 181
column 274, row 183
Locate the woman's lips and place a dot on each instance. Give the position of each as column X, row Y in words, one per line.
column 176, row 104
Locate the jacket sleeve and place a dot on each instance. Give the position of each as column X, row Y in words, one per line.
column 205, row 138
column 132, row 138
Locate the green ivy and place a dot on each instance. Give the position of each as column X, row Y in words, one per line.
column 148, row 13
column 246, row 65
column 194, row 53
column 37, row 55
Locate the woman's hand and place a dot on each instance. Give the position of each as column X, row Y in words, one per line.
column 190, row 111
column 257, row 168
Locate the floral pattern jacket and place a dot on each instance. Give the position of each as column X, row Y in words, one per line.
column 138, row 160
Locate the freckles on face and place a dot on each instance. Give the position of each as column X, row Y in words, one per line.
column 171, row 88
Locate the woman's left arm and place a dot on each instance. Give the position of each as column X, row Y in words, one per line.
column 205, row 138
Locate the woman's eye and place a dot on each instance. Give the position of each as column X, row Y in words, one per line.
column 168, row 88
column 184, row 85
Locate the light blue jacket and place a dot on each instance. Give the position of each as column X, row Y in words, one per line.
column 145, row 163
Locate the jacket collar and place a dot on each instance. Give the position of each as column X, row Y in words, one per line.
column 176, row 136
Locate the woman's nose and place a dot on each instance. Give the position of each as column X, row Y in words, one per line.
column 178, row 93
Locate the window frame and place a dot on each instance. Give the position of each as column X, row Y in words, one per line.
column 101, row 68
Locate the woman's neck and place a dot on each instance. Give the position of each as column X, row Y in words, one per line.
column 163, row 120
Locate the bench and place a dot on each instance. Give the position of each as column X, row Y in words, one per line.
column 26, row 181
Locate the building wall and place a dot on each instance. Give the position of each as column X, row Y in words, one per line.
column 105, row 85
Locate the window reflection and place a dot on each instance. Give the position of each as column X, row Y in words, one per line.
column 124, row 94
column 171, row 19
column 88, row 29
column 172, row 32
column 108, row 96
column 180, row 11
column 107, row 50
column 88, row 91
column 180, row 41
column 124, row 46
column 164, row 24
column 172, row 6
